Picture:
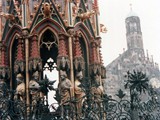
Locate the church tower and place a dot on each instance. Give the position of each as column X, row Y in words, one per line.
column 133, row 32
column 133, row 59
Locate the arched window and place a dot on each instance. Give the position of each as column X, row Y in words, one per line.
column 49, row 53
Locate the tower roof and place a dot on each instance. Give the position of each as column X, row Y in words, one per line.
column 131, row 13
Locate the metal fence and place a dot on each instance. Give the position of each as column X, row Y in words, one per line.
column 105, row 109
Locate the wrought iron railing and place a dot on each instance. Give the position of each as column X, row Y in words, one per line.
column 106, row 109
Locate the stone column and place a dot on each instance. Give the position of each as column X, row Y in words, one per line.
column 95, row 67
column 4, row 69
column 1, row 21
column 19, row 64
column 35, row 62
column 63, row 61
column 26, row 39
column 96, row 18
column 78, row 59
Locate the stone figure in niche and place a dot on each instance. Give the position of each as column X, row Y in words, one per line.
column 34, row 88
column 66, row 94
column 66, row 88
column 3, row 88
column 79, row 93
column 97, row 89
column 20, row 89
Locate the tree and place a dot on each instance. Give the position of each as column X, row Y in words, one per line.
column 137, row 82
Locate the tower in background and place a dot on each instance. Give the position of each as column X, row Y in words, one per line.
column 134, row 33
column 131, row 59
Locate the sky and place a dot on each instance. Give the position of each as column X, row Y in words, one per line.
column 113, row 14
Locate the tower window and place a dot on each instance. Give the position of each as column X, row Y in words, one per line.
column 133, row 27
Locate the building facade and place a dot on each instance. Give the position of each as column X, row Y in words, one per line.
column 38, row 35
column 133, row 58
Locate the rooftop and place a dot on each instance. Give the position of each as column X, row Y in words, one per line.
column 131, row 13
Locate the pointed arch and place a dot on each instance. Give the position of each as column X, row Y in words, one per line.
column 15, row 30
column 12, row 53
column 44, row 30
column 13, row 34
column 48, row 23
column 16, row 35
column 84, row 30
column 53, row 38
column 9, row 41
column 85, row 38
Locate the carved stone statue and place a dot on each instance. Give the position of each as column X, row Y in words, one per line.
column 3, row 89
column 46, row 8
column 20, row 90
column 79, row 93
column 8, row 16
column 66, row 94
column 35, row 76
column 86, row 15
column 34, row 92
column 97, row 89
column 34, row 88
column 66, row 88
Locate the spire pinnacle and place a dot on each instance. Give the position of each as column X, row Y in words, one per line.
column 130, row 6
column 131, row 13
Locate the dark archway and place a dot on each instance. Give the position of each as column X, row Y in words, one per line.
column 13, row 59
column 84, row 53
column 49, row 53
column 48, row 49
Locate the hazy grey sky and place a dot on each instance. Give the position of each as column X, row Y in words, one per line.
column 113, row 14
